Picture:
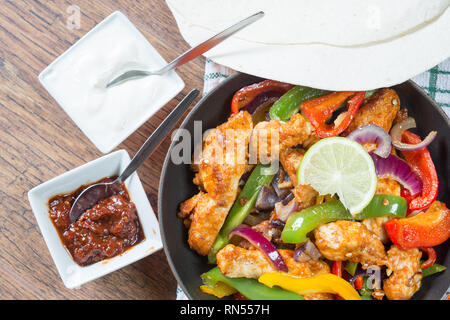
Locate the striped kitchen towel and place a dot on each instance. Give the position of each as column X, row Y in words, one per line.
column 435, row 81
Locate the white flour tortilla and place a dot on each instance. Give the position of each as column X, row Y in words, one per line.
column 358, row 67
column 333, row 22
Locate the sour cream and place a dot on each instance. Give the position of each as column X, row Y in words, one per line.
column 77, row 81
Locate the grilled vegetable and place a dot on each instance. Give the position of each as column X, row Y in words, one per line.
column 241, row 208
column 250, row 288
column 290, row 102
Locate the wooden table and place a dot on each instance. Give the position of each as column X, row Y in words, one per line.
column 38, row 141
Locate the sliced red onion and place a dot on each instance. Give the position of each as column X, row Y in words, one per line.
column 266, row 199
column 260, row 99
column 277, row 223
column 374, row 134
column 306, row 252
column 259, row 241
column 256, row 218
column 395, row 168
column 288, row 198
column 262, row 111
column 300, row 255
column 284, row 211
column 396, row 135
column 281, row 192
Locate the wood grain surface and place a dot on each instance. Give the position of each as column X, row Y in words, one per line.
column 38, row 141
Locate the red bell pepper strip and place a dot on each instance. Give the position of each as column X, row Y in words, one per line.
column 426, row 229
column 245, row 95
column 408, row 197
column 319, row 110
column 431, row 254
column 336, row 269
column 422, row 165
column 239, row 296
column 358, row 283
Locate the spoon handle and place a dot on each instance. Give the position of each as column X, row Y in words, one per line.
column 210, row 43
column 158, row 135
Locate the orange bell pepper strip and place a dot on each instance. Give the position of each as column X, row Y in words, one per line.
column 245, row 95
column 319, row 110
column 422, row 165
column 426, row 229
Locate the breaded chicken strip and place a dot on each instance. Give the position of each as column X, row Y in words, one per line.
column 284, row 135
column 388, row 186
column 237, row 262
column 406, row 273
column 349, row 240
column 290, row 159
column 221, row 165
column 380, row 109
column 305, row 196
column 376, row 225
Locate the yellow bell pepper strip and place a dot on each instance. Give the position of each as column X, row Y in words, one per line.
column 219, row 290
column 241, row 208
column 249, row 288
column 321, row 283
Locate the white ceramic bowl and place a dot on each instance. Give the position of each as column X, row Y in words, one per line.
column 113, row 46
column 111, row 164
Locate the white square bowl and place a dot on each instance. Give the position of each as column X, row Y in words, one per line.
column 110, row 138
column 111, row 164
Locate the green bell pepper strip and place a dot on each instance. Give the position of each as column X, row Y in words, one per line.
column 351, row 267
column 369, row 93
column 435, row 268
column 365, row 292
column 240, row 210
column 290, row 102
column 383, row 205
column 301, row 223
column 250, row 288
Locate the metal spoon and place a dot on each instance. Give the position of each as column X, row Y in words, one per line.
column 191, row 53
column 96, row 192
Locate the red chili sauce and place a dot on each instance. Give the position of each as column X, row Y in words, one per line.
column 106, row 230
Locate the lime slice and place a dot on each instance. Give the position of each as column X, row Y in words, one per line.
column 340, row 166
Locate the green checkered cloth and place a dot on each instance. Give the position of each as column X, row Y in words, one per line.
column 435, row 81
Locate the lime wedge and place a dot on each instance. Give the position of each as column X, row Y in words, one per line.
column 340, row 166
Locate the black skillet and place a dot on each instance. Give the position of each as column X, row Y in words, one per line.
column 213, row 109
